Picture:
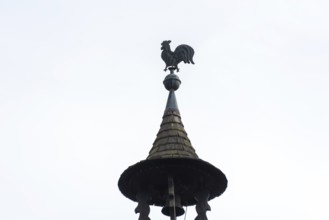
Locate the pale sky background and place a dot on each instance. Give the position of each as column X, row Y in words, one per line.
column 81, row 99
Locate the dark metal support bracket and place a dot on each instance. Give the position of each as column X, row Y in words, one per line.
column 202, row 205
column 172, row 201
column 143, row 207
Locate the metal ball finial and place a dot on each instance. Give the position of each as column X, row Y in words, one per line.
column 172, row 81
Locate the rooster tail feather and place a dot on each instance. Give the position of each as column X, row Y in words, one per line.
column 184, row 53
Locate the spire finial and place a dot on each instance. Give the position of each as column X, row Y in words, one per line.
column 172, row 81
column 173, row 58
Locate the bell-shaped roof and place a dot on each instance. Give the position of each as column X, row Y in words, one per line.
column 172, row 155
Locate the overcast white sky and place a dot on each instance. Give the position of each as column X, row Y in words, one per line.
column 81, row 99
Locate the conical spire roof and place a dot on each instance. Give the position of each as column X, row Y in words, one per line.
column 172, row 140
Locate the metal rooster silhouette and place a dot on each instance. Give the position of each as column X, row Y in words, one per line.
column 172, row 59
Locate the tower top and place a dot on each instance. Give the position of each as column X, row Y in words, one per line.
column 172, row 175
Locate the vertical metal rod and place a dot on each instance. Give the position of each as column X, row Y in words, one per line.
column 172, row 205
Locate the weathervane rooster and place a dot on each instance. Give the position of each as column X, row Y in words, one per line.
column 172, row 59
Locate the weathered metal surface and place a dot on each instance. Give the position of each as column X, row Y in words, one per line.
column 143, row 208
column 173, row 58
column 172, row 202
column 202, row 205
column 172, row 81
